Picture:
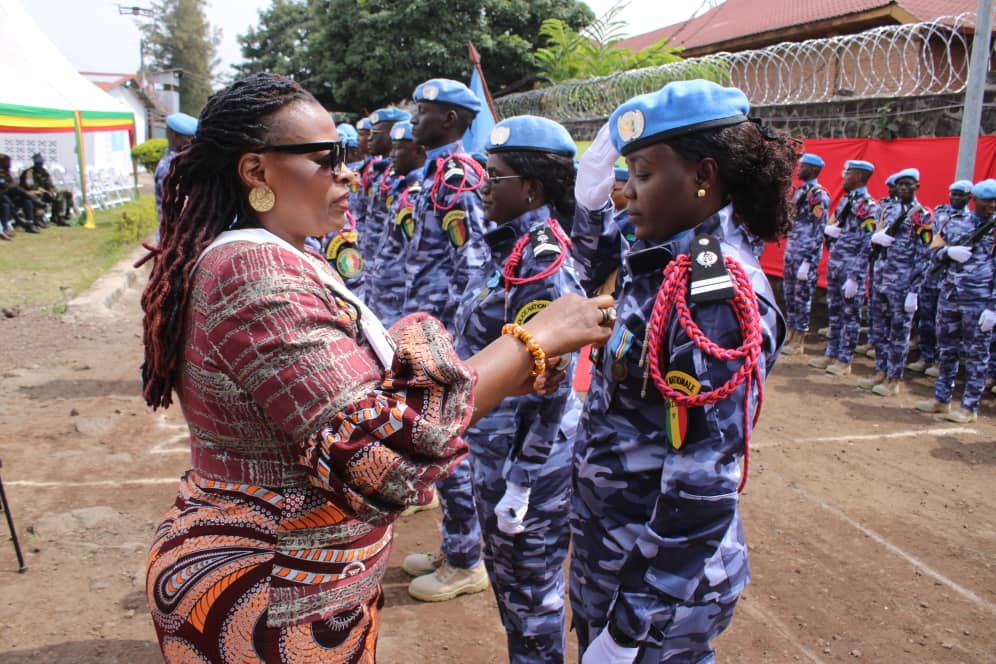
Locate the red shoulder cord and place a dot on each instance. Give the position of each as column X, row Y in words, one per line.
column 512, row 263
column 404, row 202
column 439, row 181
column 350, row 223
column 388, row 182
column 673, row 297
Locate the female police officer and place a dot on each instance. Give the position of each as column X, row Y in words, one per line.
column 658, row 554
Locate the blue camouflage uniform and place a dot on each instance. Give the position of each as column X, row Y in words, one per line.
column 931, row 288
column 527, row 441
column 898, row 271
column 967, row 289
column 804, row 245
column 856, row 214
column 389, row 300
column 658, row 543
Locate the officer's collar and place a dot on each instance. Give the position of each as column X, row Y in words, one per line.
column 648, row 257
column 442, row 151
column 510, row 231
column 810, row 183
column 413, row 175
column 860, row 191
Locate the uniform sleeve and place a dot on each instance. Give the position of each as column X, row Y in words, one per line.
column 375, row 441
column 470, row 256
column 597, row 245
column 857, row 265
column 814, row 243
column 538, row 418
column 921, row 251
column 698, row 497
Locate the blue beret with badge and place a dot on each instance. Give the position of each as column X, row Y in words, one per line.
column 891, row 180
column 182, row 123
column 448, row 91
column 531, row 133
column 348, row 134
column 621, row 173
column 912, row 173
column 859, row 165
column 813, row 160
column 390, row 114
column 363, row 124
column 964, row 186
column 679, row 108
column 986, row 189
column 402, row 131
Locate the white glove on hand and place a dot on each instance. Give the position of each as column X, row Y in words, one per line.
column 604, row 650
column 830, row 230
column 987, row 320
column 512, row 508
column 596, row 172
column 850, row 289
column 803, row 271
column 910, row 305
column 882, row 239
column 958, row 253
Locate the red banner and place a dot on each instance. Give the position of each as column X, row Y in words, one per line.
column 935, row 157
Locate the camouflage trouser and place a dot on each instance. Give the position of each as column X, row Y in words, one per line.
column 798, row 293
column 891, row 325
column 461, row 533
column 845, row 318
column 526, row 570
column 958, row 329
column 927, row 324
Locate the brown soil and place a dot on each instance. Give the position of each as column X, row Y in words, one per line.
column 872, row 528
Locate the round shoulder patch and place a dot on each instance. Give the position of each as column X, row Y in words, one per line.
column 530, row 310
column 349, row 262
column 500, row 135
column 631, row 124
column 430, row 92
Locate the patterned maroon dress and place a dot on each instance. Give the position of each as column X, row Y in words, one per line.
column 304, row 449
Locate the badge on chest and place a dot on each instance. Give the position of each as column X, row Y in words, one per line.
column 677, row 416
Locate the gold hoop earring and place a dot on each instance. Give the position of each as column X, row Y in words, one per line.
column 262, row 198
column 701, row 193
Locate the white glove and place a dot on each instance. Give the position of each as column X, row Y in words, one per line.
column 596, row 172
column 987, row 320
column 803, row 271
column 831, row 230
column 910, row 305
column 604, row 650
column 882, row 238
column 512, row 508
column 958, row 253
column 850, row 289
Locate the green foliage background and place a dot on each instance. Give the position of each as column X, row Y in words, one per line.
column 181, row 38
column 150, row 152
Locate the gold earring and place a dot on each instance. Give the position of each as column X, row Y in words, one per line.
column 262, row 198
column 701, row 193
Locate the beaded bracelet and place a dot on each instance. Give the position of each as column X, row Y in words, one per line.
column 539, row 355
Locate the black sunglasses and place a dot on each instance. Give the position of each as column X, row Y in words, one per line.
column 335, row 158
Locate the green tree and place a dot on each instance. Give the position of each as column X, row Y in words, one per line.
column 570, row 54
column 362, row 54
column 180, row 38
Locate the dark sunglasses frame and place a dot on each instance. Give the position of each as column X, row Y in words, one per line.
column 336, row 148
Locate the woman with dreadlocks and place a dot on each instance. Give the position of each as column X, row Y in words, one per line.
column 311, row 427
column 658, row 555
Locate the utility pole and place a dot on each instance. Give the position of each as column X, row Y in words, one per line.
column 978, row 66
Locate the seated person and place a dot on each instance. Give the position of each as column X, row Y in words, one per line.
column 37, row 181
column 17, row 207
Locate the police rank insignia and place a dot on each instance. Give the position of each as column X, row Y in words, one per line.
column 630, row 125
column 542, row 243
column 530, row 310
column 711, row 281
column 677, row 416
column 455, row 225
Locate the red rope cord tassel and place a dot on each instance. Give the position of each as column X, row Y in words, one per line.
column 511, row 266
column 439, row 181
column 672, row 298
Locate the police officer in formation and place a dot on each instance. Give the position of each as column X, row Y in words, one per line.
column 804, row 251
column 382, row 183
column 849, row 238
column 658, row 554
column 521, row 452
column 899, row 258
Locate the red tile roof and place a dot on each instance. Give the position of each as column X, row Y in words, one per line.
column 735, row 19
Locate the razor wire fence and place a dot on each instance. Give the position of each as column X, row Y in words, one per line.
column 916, row 59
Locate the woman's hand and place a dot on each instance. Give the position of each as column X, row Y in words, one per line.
column 573, row 321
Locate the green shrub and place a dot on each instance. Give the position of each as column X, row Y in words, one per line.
column 150, row 152
column 134, row 222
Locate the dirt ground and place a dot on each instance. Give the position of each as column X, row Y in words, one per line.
column 872, row 528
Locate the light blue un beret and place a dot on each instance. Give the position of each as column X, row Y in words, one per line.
column 182, row 123
column 621, row 173
column 402, row 131
column 681, row 107
column 813, row 160
column 447, row 91
column 363, row 124
column 913, row 173
column 390, row 114
column 858, row 165
column 986, row 189
column 348, row 134
column 531, row 132
column 964, row 186
column 891, row 180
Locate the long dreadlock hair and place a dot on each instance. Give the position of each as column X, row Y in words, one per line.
column 202, row 196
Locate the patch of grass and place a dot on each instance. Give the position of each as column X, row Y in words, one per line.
column 48, row 269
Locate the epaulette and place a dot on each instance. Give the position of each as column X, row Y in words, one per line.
column 452, row 169
column 542, row 243
column 648, row 260
column 711, row 281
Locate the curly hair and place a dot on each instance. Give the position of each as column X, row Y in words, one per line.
column 755, row 172
column 203, row 196
column 555, row 172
